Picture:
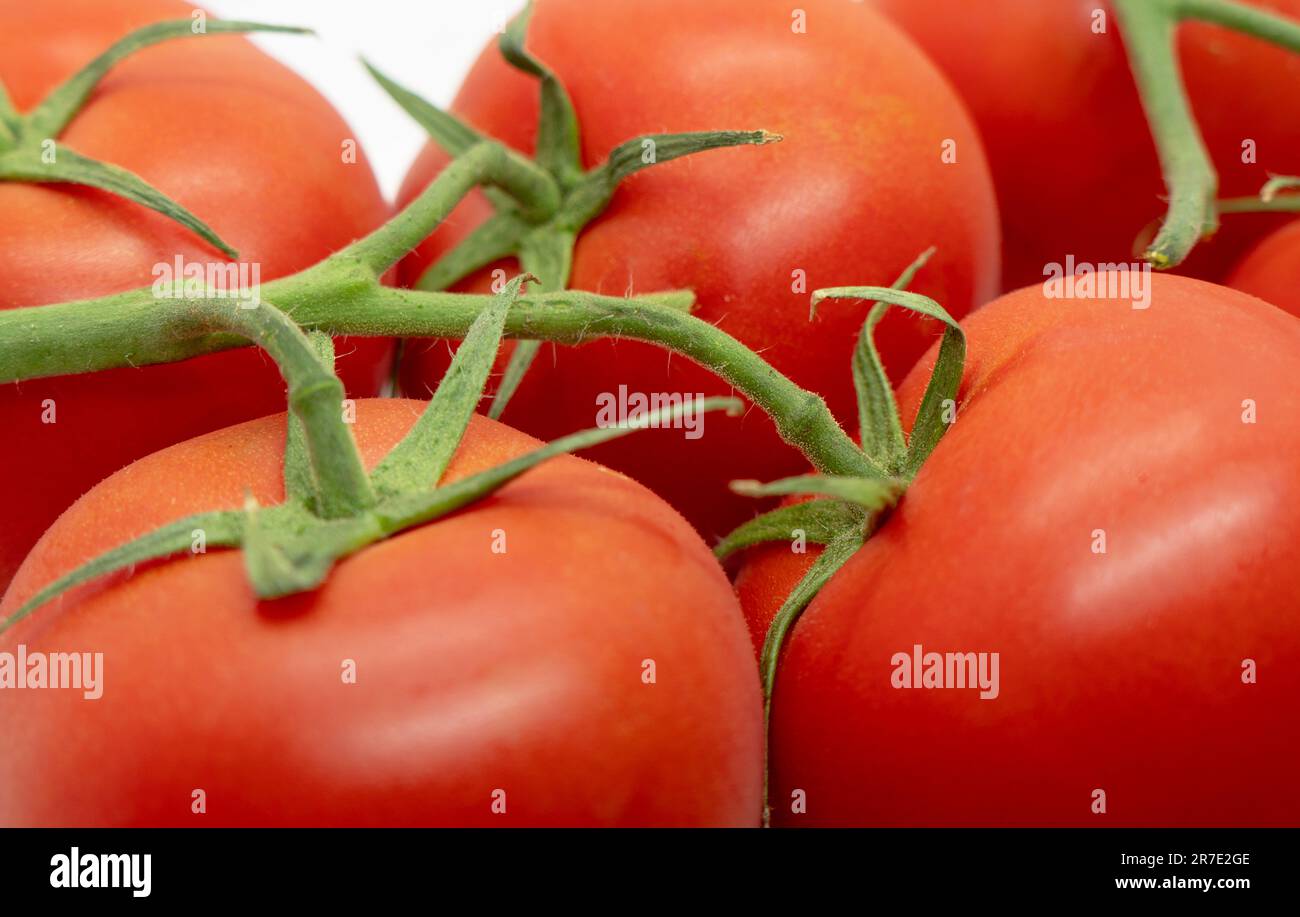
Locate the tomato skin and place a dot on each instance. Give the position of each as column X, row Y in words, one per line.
column 1271, row 270
column 1121, row 671
column 1072, row 156
column 232, row 135
column 475, row 670
column 854, row 193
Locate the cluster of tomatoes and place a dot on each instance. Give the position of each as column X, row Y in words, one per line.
column 1112, row 511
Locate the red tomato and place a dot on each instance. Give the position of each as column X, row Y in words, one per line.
column 1072, row 156
column 237, row 139
column 1271, row 270
column 1119, row 671
column 521, row 671
column 855, row 192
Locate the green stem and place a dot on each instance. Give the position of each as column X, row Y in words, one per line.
column 315, row 393
column 343, row 295
column 1287, row 204
column 547, row 254
column 1149, row 30
column 1239, row 17
column 1149, row 36
column 343, row 299
column 485, row 164
column 570, row 317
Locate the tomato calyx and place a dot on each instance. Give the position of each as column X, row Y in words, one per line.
column 29, row 147
column 1148, row 27
column 543, row 240
column 846, row 510
column 333, row 508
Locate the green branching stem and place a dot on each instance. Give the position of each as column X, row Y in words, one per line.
column 1272, row 198
column 315, row 393
column 1149, row 31
column 572, row 317
column 540, row 236
column 342, row 298
column 343, row 295
column 484, row 164
column 872, row 494
column 1239, row 17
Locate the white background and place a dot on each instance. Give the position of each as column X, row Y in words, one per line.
column 426, row 45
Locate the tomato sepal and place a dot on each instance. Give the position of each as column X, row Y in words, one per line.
column 559, row 146
column 29, row 148
column 220, row 529
column 938, row 406
column 329, row 513
column 836, row 554
column 423, row 455
column 818, row 521
column 541, row 239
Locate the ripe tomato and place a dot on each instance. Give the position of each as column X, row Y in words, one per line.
column 476, row 671
column 1119, row 671
column 854, row 193
column 1071, row 153
column 233, row 136
column 1271, row 270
